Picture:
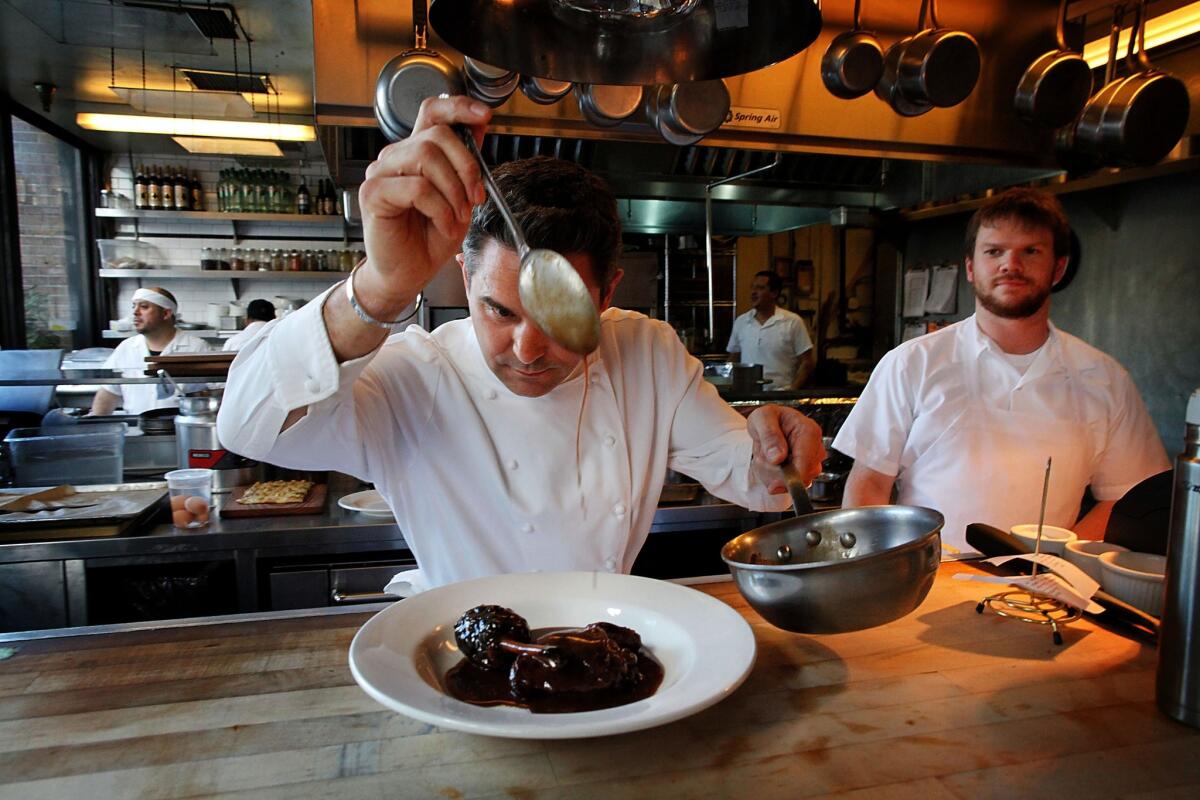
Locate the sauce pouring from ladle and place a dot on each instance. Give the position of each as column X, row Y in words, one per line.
column 551, row 290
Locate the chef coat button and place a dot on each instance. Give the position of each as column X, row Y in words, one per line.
column 312, row 385
column 610, row 564
column 610, row 440
column 619, row 509
column 595, row 377
column 490, row 394
column 527, row 527
column 512, row 463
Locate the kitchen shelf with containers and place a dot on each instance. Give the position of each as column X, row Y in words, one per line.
column 154, row 246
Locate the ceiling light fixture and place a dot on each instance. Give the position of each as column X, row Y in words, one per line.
column 1160, row 30
column 186, row 126
column 228, row 147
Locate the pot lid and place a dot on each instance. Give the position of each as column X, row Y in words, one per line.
column 628, row 42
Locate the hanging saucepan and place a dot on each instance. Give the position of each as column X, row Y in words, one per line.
column 544, row 91
column 409, row 78
column 684, row 113
column 488, row 84
column 939, row 66
column 1087, row 147
column 888, row 89
column 853, row 63
column 1055, row 87
column 1147, row 114
column 605, row 105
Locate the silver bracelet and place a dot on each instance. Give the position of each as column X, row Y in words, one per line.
column 367, row 318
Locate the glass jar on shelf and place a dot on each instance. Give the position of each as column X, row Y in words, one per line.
column 260, row 258
column 346, row 260
column 208, row 258
column 308, row 261
column 278, row 261
column 223, row 258
column 237, row 260
column 323, row 261
column 293, row 261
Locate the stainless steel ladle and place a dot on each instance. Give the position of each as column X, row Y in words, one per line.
column 551, row 290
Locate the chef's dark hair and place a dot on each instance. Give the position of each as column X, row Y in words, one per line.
column 560, row 205
column 1031, row 208
column 261, row 310
column 774, row 280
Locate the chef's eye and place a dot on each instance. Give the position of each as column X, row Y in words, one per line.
column 498, row 310
column 1033, row 251
column 992, row 251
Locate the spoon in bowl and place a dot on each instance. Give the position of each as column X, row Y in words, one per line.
column 549, row 286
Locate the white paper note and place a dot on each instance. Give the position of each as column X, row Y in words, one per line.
column 916, row 287
column 1066, row 583
column 943, row 290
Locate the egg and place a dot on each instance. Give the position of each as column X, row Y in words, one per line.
column 202, row 517
column 196, row 505
column 182, row 518
column 177, row 501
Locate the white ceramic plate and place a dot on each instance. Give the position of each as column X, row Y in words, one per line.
column 705, row 647
column 369, row 502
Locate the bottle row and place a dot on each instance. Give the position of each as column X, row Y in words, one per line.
column 263, row 259
column 271, row 191
column 167, row 189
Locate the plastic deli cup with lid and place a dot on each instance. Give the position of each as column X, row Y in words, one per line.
column 191, row 496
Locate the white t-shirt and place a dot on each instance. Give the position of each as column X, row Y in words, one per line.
column 242, row 337
column 483, row 481
column 776, row 344
column 130, row 357
column 920, row 388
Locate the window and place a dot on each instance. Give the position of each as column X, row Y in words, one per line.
column 47, row 197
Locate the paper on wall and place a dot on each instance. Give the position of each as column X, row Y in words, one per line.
column 1066, row 583
column 916, row 287
column 943, row 290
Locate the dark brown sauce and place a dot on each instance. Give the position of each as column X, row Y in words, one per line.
column 471, row 684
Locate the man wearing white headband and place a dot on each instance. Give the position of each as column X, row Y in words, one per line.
column 154, row 310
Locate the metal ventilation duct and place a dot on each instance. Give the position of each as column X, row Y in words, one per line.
column 208, row 81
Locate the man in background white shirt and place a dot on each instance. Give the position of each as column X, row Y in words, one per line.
column 772, row 336
column 258, row 314
column 154, row 312
column 964, row 419
column 497, row 449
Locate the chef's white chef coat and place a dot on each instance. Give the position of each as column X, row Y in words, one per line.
column 483, row 481
column 967, row 428
column 242, row 337
column 130, row 357
column 776, row 344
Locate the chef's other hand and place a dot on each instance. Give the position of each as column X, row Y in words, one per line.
column 781, row 433
column 416, row 202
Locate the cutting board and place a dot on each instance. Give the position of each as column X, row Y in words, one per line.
column 313, row 504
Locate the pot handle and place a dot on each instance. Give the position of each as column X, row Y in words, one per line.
column 801, row 503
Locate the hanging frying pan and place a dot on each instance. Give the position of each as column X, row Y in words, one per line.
column 939, row 66
column 1055, row 87
column 853, row 64
column 605, row 105
column 888, row 89
column 409, row 78
column 1146, row 115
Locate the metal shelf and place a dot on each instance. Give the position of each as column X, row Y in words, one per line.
column 219, row 275
column 203, row 333
column 218, row 216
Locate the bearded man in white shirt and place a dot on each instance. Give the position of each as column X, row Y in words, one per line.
column 963, row 420
column 772, row 336
column 497, row 449
column 154, row 312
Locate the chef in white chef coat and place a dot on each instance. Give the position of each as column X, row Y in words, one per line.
column 962, row 420
column 154, row 311
column 497, row 449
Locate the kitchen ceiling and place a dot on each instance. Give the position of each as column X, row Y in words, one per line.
column 66, row 42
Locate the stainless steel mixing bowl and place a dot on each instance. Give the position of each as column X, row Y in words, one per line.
column 840, row 570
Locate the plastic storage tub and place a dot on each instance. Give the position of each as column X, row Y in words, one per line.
column 76, row 454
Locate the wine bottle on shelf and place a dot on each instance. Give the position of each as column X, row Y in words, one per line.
column 154, row 190
column 141, row 199
column 197, row 192
column 168, row 190
column 183, row 195
column 302, row 198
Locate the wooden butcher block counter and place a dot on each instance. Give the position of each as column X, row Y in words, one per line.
column 943, row 703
